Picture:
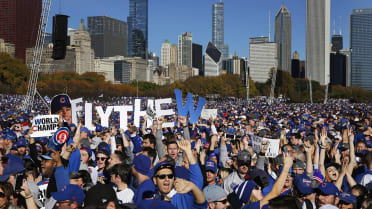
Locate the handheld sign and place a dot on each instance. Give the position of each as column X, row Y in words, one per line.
column 273, row 148
column 44, row 125
column 207, row 113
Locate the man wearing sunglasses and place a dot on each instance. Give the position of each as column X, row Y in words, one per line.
column 235, row 178
column 216, row 197
column 181, row 193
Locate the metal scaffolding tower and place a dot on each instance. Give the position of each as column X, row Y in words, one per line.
column 36, row 59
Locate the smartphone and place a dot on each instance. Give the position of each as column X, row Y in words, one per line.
column 19, row 182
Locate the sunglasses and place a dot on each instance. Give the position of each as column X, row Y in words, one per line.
column 101, row 158
column 162, row 176
column 2, row 194
column 222, row 201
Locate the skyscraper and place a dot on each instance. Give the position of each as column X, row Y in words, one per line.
column 283, row 37
column 138, row 28
column 317, row 40
column 174, row 54
column 218, row 29
column 19, row 23
column 361, row 48
column 337, row 43
column 185, row 49
column 165, row 54
column 197, row 57
column 212, row 61
column 262, row 58
column 109, row 36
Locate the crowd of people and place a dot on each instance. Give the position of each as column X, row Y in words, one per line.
column 324, row 158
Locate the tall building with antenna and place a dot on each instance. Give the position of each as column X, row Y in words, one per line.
column 283, row 37
column 218, row 28
column 317, row 40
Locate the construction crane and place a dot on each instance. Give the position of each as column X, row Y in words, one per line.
column 36, row 59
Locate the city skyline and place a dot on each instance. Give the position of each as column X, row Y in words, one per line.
column 167, row 20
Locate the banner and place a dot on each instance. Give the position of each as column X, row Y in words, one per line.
column 207, row 113
column 273, row 149
column 44, row 125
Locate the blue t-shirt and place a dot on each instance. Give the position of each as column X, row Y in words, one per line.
column 144, row 190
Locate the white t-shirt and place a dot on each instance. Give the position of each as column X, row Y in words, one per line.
column 124, row 196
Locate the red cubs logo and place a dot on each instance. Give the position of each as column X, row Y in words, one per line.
column 62, row 100
column 62, row 136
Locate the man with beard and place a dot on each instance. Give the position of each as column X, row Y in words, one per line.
column 238, row 176
column 327, row 196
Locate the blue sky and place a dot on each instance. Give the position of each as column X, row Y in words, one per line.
column 243, row 19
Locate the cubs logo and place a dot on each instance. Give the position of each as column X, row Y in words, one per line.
column 62, row 100
column 62, row 136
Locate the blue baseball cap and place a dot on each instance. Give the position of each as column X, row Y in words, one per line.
column 43, row 140
column 47, row 156
column 59, row 101
column 163, row 165
column 13, row 165
column 89, row 151
column 21, row 143
column 210, row 165
column 303, row 184
column 86, row 130
column 99, row 128
column 70, row 192
column 142, row 164
column 348, row 198
column 10, row 135
column 328, row 188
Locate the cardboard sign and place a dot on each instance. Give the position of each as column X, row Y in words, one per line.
column 44, row 125
column 137, row 112
column 207, row 113
column 273, row 148
column 189, row 106
column 151, row 114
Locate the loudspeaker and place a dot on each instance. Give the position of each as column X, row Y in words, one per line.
column 59, row 36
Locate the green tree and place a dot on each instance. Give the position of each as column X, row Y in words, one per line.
column 13, row 75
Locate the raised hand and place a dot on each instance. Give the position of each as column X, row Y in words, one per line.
column 323, row 137
column 25, row 190
column 288, row 160
column 185, row 145
column 183, row 186
column 182, row 120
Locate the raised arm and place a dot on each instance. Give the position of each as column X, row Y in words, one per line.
column 352, row 162
column 323, row 147
column 309, row 161
column 279, row 184
column 159, row 139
